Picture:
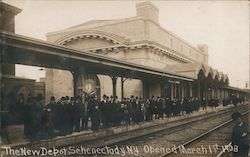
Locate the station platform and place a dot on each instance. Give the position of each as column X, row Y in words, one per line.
column 78, row 137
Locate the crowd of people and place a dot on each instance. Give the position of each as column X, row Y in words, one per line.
column 70, row 114
column 234, row 100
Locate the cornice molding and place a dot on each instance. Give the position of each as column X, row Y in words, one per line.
column 4, row 7
column 91, row 34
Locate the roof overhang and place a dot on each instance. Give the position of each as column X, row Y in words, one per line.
column 237, row 89
column 19, row 49
column 4, row 7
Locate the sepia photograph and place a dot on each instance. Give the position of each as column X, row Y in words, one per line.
column 125, row 78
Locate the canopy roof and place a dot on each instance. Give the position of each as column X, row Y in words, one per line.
column 193, row 69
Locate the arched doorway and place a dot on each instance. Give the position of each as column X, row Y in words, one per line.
column 17, row 101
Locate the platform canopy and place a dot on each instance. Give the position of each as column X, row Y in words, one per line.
column 193, row 69
column 18, row 49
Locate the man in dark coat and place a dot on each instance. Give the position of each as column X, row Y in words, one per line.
column 130, row 110
column 160, row 107
column 85, row 115
column 50, row 113
column 28, row 117
column 148, row 111
column 52, row 106
column 68, row 116
column 104, row 111
column 17, row 109
column 108, row 112
column 239, row 136
column 126, row 110
column 94, row 113
column 174, row 107
column 152, row 106
column 60, row 116
column 77, row 112
column 181, row 106
column 168, row 108
column 204, row 103
column 37, row 117
column 136, row 108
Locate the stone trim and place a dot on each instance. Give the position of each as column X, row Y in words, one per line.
column 136, row 45
column 10, row 9
column 91, row 34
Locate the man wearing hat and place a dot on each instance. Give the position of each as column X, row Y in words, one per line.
column 50, row 115
column 239, row 136
column 77, row 112
column 94, row 113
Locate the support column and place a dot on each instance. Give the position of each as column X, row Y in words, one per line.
column 122, row 88
column 191, row 90
column 199, row 90
column 174, row 87
column 145, row 89
column 182, row 90
column 186, row 89
column 209, row 93
column 172, row 91
column 1, row 127
column 76, row 75
column 176, row 90
column 114, row 80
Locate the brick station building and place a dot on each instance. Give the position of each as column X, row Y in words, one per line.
column 141, row 40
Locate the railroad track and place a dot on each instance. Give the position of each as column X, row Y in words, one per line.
column 213, row 143
column 134, row 145
column 170, row 140
column 176, row 132
column 172, row 126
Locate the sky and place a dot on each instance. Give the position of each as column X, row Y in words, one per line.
column 222, row 25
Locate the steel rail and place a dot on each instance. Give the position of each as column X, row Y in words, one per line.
column 171, row 129
column 203, row 135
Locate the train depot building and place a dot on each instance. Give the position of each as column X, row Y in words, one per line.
column 138, row 40
column 121, row 57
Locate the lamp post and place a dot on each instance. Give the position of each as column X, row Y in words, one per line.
column 208, row 95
